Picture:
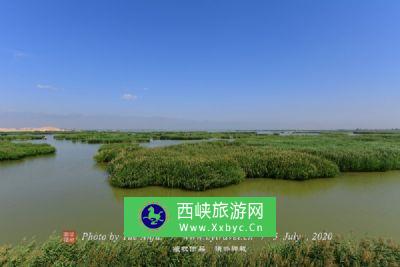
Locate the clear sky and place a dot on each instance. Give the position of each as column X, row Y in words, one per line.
column 273, row 64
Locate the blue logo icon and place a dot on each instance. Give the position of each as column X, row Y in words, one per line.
column 153, row 216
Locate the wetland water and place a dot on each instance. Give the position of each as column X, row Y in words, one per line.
column 68, row 191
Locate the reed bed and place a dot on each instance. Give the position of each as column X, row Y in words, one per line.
column 54, row 252
column 377, row 152
column 20, row 137
column 209, row 165
column 13, row 151
column 196, row 173
column 108, row 152
column 299, row 157
column 107, row 137
column 102, row 137
column 199, row 135
column 296, row 157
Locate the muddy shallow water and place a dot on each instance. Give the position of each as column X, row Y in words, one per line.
column 69, row 191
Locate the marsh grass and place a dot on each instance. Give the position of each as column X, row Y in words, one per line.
column 177, row 171
column 13, row 151
column 20, row 137
column 199, row 135
column 108, row 152
column 284, row 164
column 374, row 152
column 202, row 166
column 106, row 137
column 102, row 137
column 361, row 159
column 295, row 157
column 54, row 252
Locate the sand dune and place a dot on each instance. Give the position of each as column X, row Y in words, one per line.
column 40, row 129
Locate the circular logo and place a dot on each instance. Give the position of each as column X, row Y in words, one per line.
column 153, row 216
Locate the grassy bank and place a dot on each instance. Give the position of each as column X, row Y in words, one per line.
column 13, row 151
column 160, row 253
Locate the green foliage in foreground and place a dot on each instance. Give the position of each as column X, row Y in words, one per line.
column 208, row 165
column 160, row 253
column 12, row 151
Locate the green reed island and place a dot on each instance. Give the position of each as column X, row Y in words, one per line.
column 226, row 158
column 16, row 150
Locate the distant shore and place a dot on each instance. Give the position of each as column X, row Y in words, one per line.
column 40, row 129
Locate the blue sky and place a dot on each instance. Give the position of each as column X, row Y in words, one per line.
column 285, row 64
